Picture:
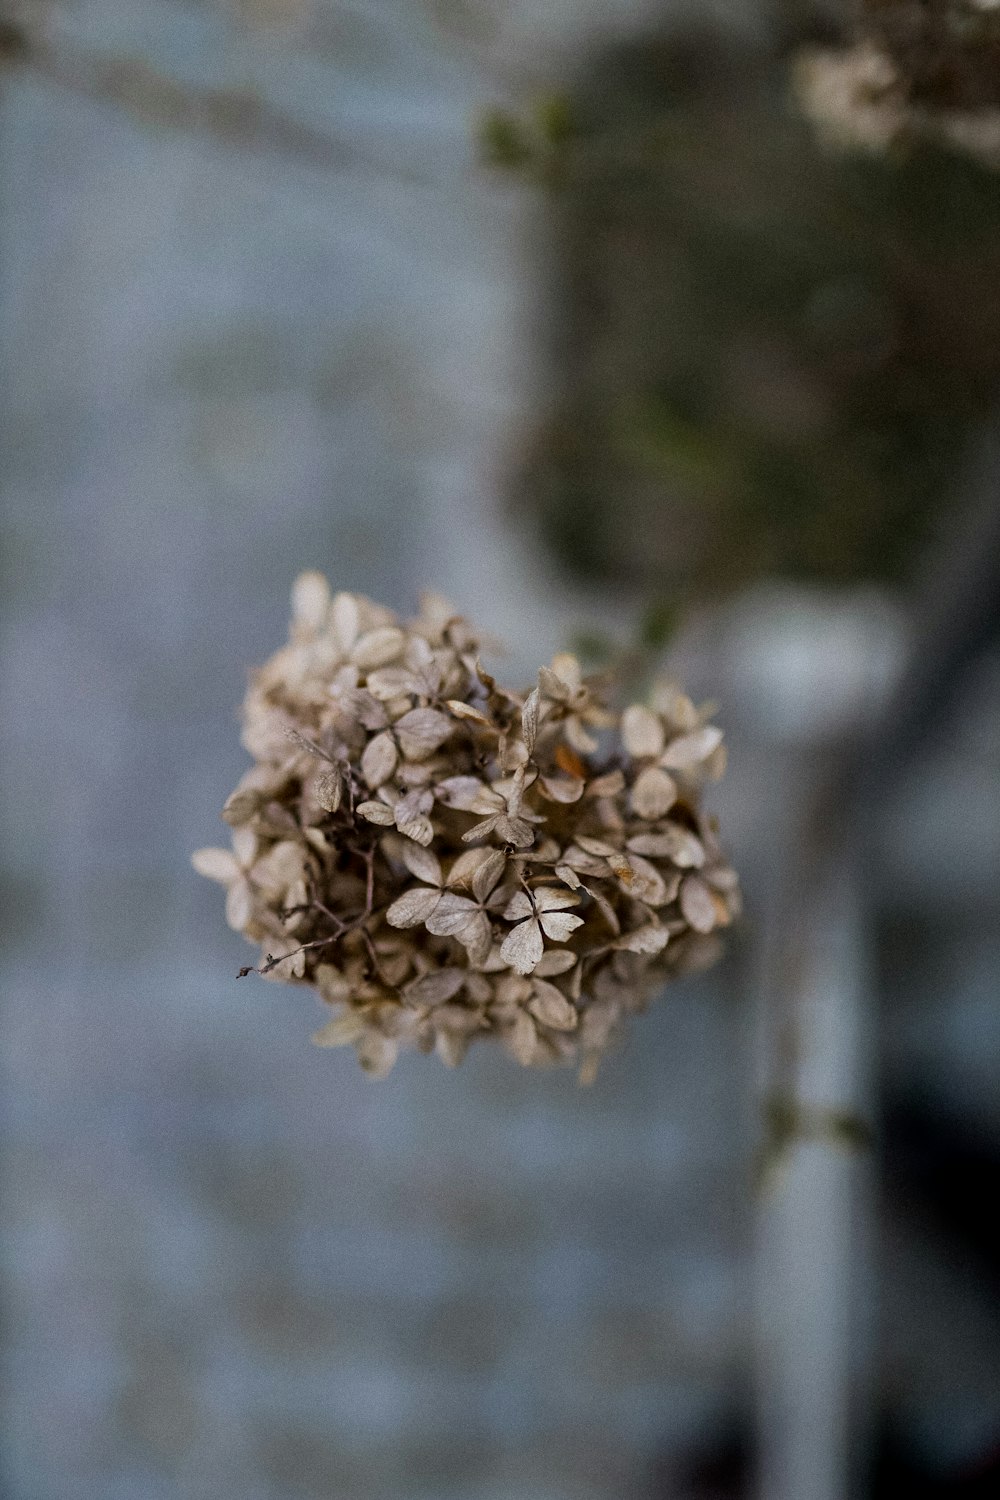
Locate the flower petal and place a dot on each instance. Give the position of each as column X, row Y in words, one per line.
column 697, row 905
column 550, row 1006
column 378, row 760
column 216, row 864
column 642, row 731
column 691, row 749
column 421, row 731
column 523, row 946
column 412, row 907
column 558, row 925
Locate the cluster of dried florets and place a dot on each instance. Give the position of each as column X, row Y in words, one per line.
column 915, row 70
column 446, row 860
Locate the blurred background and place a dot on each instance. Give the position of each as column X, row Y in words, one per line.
column 570, row 312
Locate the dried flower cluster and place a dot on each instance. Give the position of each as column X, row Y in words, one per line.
column 445, row 860
column 915, row 70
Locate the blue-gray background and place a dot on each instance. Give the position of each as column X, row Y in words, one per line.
column 231, row 1265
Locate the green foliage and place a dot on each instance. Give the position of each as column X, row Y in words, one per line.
column 768, row 359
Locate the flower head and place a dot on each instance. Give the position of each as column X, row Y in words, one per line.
column 446, row 861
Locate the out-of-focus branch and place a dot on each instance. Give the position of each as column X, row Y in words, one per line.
column 235, row 117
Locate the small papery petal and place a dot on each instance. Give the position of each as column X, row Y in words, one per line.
column 378, row 760
column 452, row 915
column 419, row 829
column 216, row 864
column 362, row 707
column 328, row 789
column 466, row 865
column 567, row 668
column 691, row 750
column 344, row 621
column 515, row 831
column 435, row 988
column 653, row 794
column 608, row 785
column 642, row 731
column 488, row 874
column 463, row 710
column 334, row 986
column 476, row 938
column 376, row 812
column 412, row 907
column 451, row 1047
column 672, row 842
column 582, row 742
column 377, row 1054
column 552, row 685
column 421, row 731
column 523, row 946
column 459, row 792
column 554, row 961
column 550, row 1006
column 565, row 789
column 649, row 939
column 343, row 1031
column 421, row 863
column 550, row 898
column 393, row 682
column 568, row 876
column 239, row 904
column 518, row 907
column 697, row 904
column 310, row 601
column 522, row 1039
column 644, row 881
column 377, row 648
column 558, row 925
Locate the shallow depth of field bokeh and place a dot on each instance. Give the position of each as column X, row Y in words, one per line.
column 567, row 312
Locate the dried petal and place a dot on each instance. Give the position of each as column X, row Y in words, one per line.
column 421, row 731
column 653, row 794
column 376, row 812
column 310, row 602
column 435, row 988
column 377, row 648
column 550, row 1006
column 413, row 907
column 378, row 760
column 216, row 864
column 697, row 904
column 642, row 731
column 559, row 925
column 691, row 750
column 523, row 947
column 421, row 863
